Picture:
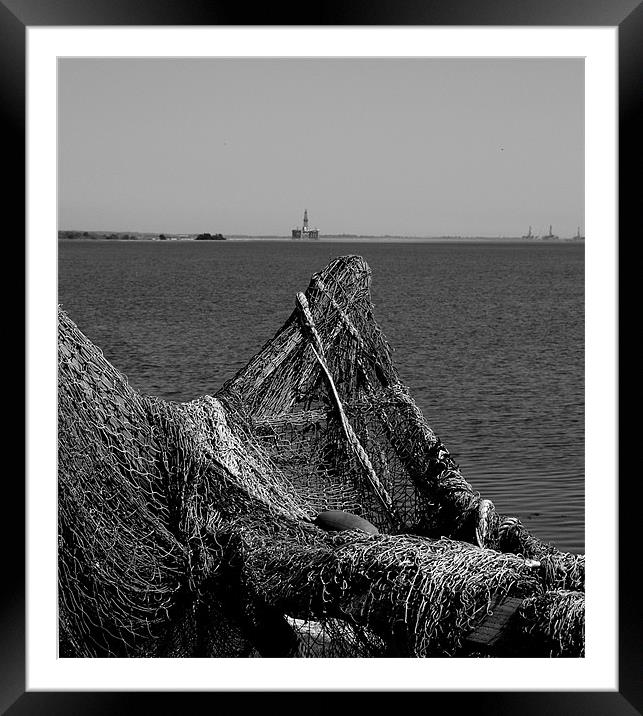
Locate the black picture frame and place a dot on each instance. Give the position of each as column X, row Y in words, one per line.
column 15, row 17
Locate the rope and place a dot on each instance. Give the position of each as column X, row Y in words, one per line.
column 316, row 345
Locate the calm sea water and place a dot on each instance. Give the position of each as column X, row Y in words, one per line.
column 489, row 337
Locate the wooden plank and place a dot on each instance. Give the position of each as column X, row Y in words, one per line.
column 480, row 630
column 492, row 626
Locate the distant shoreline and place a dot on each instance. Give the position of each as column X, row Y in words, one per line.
column 330, row 238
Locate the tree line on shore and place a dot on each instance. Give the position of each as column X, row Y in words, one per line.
column 135, row 236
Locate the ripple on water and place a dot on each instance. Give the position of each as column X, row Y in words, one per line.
column 489, row 338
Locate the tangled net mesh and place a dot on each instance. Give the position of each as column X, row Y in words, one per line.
column 185, row 529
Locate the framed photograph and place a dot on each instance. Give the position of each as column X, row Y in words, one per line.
column 185, row 177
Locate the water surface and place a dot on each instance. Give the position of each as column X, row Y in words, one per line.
column 488, row 337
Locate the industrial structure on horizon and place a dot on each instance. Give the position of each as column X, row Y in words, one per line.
column 305, row 232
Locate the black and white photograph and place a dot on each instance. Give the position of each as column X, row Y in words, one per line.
column 321, row 331
column 321, row 357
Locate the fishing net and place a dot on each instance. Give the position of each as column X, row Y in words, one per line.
column 186, row 529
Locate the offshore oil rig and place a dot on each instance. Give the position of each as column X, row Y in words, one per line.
column 305, row 232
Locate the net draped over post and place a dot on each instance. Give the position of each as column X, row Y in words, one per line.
column 186, row 529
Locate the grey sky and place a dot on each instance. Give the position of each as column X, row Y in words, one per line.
column 374, row 146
